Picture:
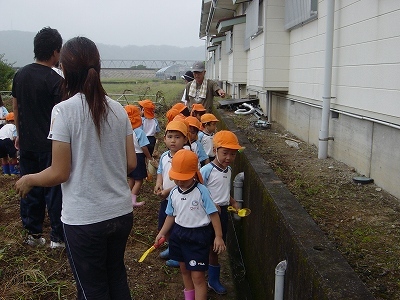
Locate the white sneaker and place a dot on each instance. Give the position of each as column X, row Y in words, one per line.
column 54, row 245
column 31, row 241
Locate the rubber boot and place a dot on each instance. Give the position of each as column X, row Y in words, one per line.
column 13, row 170
column 165, row 254
column 135, row 203
column 213, row 280
column 6, row 169
column 189, row 295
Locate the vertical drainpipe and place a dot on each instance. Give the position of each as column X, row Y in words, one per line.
column 326, row 97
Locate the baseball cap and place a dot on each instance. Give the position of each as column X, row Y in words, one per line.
column 198, row 66
column 148, row 108
column 182, row 108
column 198, row 107
column 193, row 121
column 208, row 118
column 134, row 115
column 226, row 139
column 184, row 166
column 10, row 116
column 188, row 76
column 177, row 126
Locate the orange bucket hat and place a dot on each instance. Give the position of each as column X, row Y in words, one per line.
column 208, row 118
column 177, row 126
column 193, row 121
column 184, row 166
column 10, row 116
column 179, row 106
column 171, row 114
column 226, row 139
column 198, row 107
column 148, row 108
column 134, row 115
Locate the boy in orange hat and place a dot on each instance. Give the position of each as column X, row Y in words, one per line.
column 136, row 177
column 194, row 144
column 8, row 152
column 182, row 108
column 150, row 124
column 209, row 122
column 175, row 138
column 217, row 178
column 188, row 221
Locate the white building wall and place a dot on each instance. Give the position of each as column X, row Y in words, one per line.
column 238, row 57
column 223, row 63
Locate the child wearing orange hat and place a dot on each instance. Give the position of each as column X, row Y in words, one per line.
column 194, row 144
column 217, row 178
column 198, row 110
column 8, row 152
column 189, row 222
column 182, row 108
column 136, row 177
column 209, row 122
column 175, row 138
column 150, row 124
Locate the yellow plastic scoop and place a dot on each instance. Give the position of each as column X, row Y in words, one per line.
column 244, row 212
column 152, row 248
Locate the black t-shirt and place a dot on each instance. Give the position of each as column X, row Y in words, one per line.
column 37, row 89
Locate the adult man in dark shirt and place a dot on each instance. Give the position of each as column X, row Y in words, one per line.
column 36, row 89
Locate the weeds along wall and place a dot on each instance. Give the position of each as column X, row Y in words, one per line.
column 280, row 229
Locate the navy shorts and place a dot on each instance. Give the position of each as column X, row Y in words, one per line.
column 140, row 171
column 152, row 141
column 7, row 148
column 223, row 217
column 191, row 246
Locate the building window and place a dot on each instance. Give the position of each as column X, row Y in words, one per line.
column 299, row 12
column 254, row 21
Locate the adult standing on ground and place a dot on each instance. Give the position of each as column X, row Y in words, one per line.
column 202, row 90
column 35, row 91
column 93, row 151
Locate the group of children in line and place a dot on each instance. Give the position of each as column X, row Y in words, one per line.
column 193, row 183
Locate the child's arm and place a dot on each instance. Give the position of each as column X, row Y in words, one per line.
column 234, row 203
column 158, row 186
column 146, row 152
column 219, row 245
column 169, row 221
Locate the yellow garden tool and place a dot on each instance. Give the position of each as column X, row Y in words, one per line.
column 152, row 248
column 244, row 212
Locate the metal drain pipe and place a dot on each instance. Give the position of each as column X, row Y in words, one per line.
column 280, row 280
column 238, row 191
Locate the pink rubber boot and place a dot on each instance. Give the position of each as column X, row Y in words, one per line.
column 189, row 295
column 134, row 203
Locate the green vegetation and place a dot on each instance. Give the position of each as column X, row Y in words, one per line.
column 6, row 74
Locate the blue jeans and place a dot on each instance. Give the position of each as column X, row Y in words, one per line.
column 96, row 256
column 33, row 206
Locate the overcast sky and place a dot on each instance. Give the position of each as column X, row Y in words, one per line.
column 113, row 22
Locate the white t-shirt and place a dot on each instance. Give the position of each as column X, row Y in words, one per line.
column 97, row 189
column 8, row 131
column 207, row 141
column 164, row 166
column 218, row 182
column 191, row 208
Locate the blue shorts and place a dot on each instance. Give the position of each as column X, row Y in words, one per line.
column 191, row 246
column 140, row 171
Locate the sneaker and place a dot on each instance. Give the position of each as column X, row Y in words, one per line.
column 172, row 263
column 165, row 254
column 32, row 241
column 54, row 245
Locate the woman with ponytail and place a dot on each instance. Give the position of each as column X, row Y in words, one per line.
column 92, row 154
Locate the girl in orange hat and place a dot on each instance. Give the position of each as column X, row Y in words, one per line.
column 150, row 124
column 136, row 177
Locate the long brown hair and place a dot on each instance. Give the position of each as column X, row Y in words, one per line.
column 80, row 61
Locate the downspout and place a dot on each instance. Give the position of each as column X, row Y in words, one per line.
column 238, row 191
column 326, row 97
column 280, row 280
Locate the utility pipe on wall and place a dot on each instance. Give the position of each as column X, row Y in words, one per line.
column 280, row 280
column 326, row 97
column 238, row 191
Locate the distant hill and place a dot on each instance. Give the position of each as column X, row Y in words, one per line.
column 18, row 47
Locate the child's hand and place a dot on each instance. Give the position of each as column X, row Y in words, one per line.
column 158, row 237
column 157, row 189
column 235, row 205
column 164, row 193
column 219, row 245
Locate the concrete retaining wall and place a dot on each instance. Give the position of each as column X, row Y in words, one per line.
column 280, row 229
